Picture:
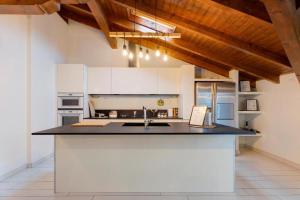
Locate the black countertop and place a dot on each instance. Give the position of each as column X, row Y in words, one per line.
column 116, row 128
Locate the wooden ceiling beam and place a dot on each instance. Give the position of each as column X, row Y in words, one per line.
column 50, row 6
column 44, row 7
column 78, row 10
column 84, row 19
column 254, row 8
column 210, row 33
column 99, row 14
column 286, row 22
column 35, row 2
column 191, row 48
column 34, row 7
column 21, row 10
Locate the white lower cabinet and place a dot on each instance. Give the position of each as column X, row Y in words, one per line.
column 99, row 80
column 134, row 81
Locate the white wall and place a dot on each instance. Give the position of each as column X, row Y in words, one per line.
column 49, row 42
column 29, row 49
column 13, row 45
column 280, row 120
column 89, row 46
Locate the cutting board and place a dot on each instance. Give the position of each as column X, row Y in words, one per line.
column 91, row 123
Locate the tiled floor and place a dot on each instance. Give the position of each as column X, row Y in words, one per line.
column 258, row 178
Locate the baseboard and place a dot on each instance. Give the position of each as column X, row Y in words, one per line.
column 12, row 172
column 273, row 156
column 34, row 164
column 23, row 167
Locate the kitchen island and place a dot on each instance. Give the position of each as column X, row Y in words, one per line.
column 118, row 158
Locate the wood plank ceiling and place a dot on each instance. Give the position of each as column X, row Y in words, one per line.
column 217, row 35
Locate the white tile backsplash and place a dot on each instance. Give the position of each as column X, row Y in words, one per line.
column 133, row 101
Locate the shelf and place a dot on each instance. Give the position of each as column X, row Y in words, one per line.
column 250, row 93
column 250, row 112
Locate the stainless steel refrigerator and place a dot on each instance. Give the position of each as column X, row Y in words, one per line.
column 220, row 98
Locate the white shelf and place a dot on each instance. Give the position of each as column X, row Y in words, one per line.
column 249, row 112
column 250, row 93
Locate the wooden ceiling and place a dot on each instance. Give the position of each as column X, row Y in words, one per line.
column 217, row 35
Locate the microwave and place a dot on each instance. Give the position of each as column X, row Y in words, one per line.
column 67, row 117
column 70, row 101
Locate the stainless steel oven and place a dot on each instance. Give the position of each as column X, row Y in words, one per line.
column 70, row 101
column 66, row 117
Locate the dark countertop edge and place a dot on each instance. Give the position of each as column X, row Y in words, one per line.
column 115, row 128
column 142, row 133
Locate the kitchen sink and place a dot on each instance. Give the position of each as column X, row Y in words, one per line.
column 142, row 124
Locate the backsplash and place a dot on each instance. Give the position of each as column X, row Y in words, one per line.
column 129, row 102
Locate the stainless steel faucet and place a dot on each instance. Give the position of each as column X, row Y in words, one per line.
column 146, row 121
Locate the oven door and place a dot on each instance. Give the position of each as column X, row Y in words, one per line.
column 67, row 117
column 70, row 102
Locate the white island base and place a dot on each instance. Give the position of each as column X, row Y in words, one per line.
column 144, row 163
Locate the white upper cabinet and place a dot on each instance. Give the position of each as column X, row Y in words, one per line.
column 134, row 81
column 99, row 80
column 71, row 78
column 168, row 81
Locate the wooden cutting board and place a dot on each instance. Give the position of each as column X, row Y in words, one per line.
column 91, row 123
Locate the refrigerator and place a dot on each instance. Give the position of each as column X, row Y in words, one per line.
column 220, row 99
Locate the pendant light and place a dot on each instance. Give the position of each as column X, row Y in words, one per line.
column 147, row 57
column 141, row 55
column 157, row 52
column 124, row 52
column 130, row 55
column 165, row 58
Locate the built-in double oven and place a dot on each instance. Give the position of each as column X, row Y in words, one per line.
column 70, row 108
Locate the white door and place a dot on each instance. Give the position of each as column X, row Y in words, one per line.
column 70, row 78
column 168, row 81
column 134, row 81
column 99, row 80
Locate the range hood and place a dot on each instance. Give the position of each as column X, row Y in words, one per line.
column 135, row 61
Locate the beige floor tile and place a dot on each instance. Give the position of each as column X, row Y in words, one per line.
column 140, row 198
column 116, row 193
column 296, row 197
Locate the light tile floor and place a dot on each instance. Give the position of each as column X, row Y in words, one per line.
column 257, row 178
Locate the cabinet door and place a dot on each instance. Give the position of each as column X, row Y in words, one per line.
column 99, row 80
column 70, row 78
column 168, row 81
column 134, row 81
